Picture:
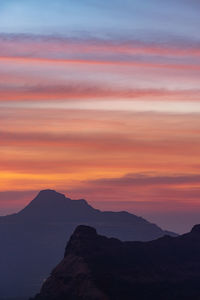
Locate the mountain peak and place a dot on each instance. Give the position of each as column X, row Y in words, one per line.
column 53, row 206
column 83, row 237
column 84, row 231
column 48, row 197
column 46, row 203
column 50, row 193
column 196, row 229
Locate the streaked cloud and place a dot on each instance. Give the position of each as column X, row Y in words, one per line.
column 100, row 99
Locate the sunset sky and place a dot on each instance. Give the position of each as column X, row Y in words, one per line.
column 101, row 100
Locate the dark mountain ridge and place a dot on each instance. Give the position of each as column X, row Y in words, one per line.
column 33, row 240
column 99, row 268
column 49, row 205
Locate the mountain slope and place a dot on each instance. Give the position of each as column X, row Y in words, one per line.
column 99, row 268
column 32, row 241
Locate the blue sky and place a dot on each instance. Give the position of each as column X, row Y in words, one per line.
column 151, row 19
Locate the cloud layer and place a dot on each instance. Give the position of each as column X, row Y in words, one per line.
column 91, row 91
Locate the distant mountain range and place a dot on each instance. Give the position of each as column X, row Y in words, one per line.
column 99, row 268
column 32, row 241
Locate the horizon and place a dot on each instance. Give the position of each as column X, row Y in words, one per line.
column 101, row 101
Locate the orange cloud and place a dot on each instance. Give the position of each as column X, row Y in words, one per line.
column 89, row 152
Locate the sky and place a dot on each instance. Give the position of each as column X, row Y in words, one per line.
column 101, row 100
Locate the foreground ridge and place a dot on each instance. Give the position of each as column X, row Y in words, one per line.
column 99, row 268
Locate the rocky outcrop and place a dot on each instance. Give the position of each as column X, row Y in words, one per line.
column 97, row 268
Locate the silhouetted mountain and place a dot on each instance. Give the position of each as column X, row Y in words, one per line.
column 32, row 241
column 100, row 268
